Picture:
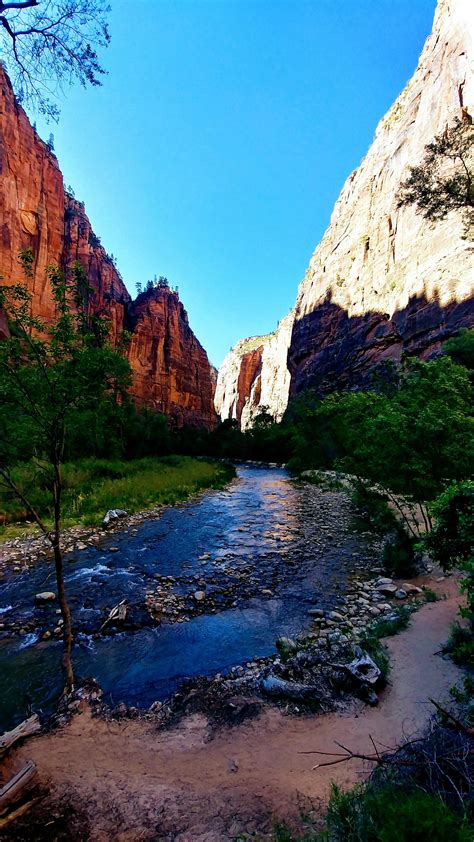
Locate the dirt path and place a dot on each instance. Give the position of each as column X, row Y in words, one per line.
column 131, row 782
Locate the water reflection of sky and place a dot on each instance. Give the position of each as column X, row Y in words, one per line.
column 261, row 518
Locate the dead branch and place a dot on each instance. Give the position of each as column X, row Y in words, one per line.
column 24, row 729
column 456, row 722
column 15, row 786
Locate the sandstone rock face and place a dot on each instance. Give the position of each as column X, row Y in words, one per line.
column 255, row 375
column 383, row 281
column 171, row 371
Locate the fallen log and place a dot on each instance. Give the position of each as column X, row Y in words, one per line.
column 25, row 729
column 15, row 814
column 12, row 790
column 362, row 668
column 274, row 686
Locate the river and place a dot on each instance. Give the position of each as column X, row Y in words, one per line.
column 264, row 550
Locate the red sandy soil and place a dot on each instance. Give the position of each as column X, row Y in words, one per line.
column 128, row 781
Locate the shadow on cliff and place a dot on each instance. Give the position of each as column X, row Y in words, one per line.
column 331, row 350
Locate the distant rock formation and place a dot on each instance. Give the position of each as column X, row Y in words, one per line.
column 254, row 375
column 171, row 371
column 383, row 281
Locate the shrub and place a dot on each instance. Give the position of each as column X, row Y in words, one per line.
column 399, row 553
column 460, row 645
column 391, row 814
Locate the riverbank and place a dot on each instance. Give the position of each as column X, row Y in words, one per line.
column 130, row 780
column 93, row 486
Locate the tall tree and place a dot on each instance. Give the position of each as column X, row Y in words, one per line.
column 48, row 375
column 47, row 44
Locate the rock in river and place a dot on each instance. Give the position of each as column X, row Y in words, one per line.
column 44, row 597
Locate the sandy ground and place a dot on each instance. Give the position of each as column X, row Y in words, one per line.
column 129, row 781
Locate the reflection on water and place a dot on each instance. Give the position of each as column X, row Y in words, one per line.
column 257, row 534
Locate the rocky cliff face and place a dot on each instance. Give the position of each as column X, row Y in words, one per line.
column 171, row 372
column 168, row 363
column 254, row 374
column 384, row 281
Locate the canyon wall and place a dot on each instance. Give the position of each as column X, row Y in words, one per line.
column 171, row 372
column 254, row 375
column 384, row 281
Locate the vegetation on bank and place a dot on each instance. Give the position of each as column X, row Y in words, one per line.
column 91, row 486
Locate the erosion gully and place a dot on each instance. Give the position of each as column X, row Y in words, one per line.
column 264, row 551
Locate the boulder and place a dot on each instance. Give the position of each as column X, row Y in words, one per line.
column 411, row 589
column 45, row 597
column 199, row 596
column 388, row 590
column 401, row 594
column 112, row 516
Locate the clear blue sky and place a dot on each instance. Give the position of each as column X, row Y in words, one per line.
column 221, row 137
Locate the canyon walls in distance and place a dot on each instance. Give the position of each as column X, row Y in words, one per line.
column 171, row 371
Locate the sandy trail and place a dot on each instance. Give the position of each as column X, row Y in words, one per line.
column 132, row 782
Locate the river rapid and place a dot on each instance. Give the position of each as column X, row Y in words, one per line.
column 263, row 552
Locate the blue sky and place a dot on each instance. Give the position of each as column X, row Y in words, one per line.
column 218, row 144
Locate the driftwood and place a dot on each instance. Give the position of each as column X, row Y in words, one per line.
column 362, row 668
column 15, row 814
column 24, row 729
column 15, row 786
column 117, row 614
column 274, row 686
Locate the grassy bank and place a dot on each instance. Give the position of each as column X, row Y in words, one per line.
column 91, row 486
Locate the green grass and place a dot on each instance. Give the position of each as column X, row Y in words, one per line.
column 91, row 486
column 383, row 814
column 430, row 595
column 391, row 814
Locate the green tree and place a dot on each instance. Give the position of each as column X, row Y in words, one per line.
column 461, row 348
column 409, row 443
column 50, row 375
column 451, row 541
column 444, row 181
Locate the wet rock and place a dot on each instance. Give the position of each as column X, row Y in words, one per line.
column 401, row 594
column 45, row 597
column 316, row 612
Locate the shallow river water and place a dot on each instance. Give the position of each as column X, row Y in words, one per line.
column 263, row 533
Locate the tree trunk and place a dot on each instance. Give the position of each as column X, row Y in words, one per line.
column 63, row 603
column 66, row 615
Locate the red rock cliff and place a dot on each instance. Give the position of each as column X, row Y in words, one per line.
column 171, row 371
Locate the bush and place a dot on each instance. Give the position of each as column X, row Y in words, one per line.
column 460, row 645
column 374, row 509
column 391, row 814
column 399, row 553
